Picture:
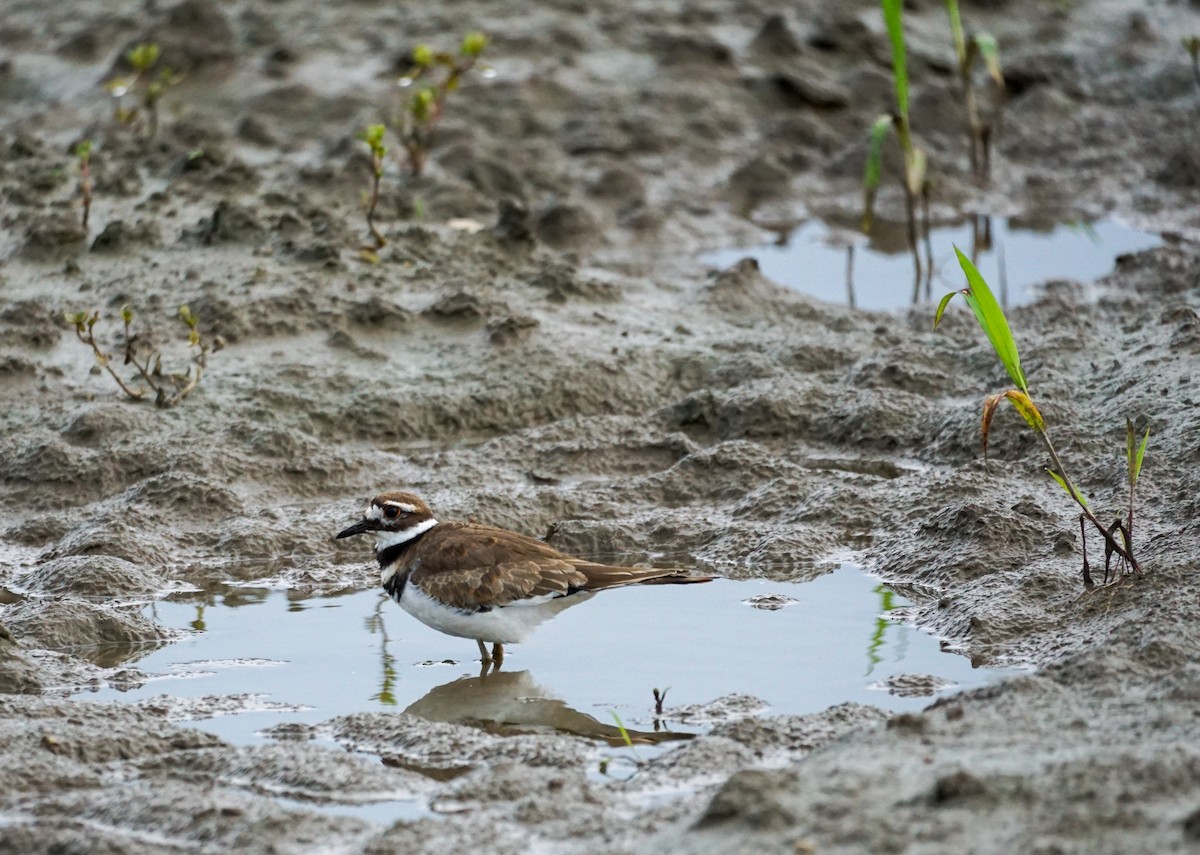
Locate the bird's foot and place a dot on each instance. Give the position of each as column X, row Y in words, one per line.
column 490, row 662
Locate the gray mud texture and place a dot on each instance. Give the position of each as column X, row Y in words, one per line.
column 537, row 347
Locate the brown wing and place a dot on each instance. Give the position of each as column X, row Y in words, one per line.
column 601, row 576
column 469, row 565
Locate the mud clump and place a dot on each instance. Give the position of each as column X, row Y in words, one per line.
column 101, row 634
column 17, row 675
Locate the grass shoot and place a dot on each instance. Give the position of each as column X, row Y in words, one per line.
column 435, row 74
column 142, row 58
column 168, row 388
column 915, row 180
column 992, row 321
column 980, row 47
column 373, row 137
column 83, row 157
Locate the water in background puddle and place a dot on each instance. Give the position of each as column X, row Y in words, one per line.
column 813, row 260
column 309, row 660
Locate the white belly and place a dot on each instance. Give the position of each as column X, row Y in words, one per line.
column 509, row 624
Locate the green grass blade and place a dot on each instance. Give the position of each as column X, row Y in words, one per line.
column 1070, row 488
column 1135, row 457
column 960, row 42
column 992, row 321
column 893, row 16
column 941, row 309
column 990, row 51
column 873, row 173
column 621, row 728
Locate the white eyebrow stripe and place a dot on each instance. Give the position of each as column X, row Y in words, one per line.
column 404, row 506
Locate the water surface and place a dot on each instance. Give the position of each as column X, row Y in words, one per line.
column 813, row 258
column 306, row 660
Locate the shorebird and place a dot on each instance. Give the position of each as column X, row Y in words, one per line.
column 476, row 581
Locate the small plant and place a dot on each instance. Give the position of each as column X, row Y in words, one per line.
column 995, row 326
column 169, row 389
column 1192, row 45
column 979, row 47
column 435, row 75
column 660, row 698
column 83, row 156
column 373, row 137
column 915, row 180
column 636, row 760
column 150, row 88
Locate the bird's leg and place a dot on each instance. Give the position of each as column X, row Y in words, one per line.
column 498, row 654
column 483, row 653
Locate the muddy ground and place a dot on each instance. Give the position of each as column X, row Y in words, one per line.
column 567, row 365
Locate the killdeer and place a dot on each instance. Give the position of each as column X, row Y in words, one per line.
column 479, row 582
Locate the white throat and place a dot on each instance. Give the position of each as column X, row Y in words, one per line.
column 387, row 539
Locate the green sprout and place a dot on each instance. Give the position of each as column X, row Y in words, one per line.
column 373, row 137
column 635, row 760
column 169, row 388
column 83, row 157
column 915, row 180
column 995, row 326
column 142, row 58
column 1192, row 45
column 438, row 73
column 981, row 47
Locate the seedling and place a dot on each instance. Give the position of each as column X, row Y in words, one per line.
column 979, row 47
column 149, row 87
column 169, row 388
column 995, row 326
column 915, row 180
column 660, row 697
column 83, row 156
column 1192, row 45
column 373, row 137
column 636, row 760
column 435, row 75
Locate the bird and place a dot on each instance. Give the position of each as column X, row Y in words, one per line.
column 476, row 581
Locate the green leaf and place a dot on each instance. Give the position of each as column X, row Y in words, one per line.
column 422, row 55
column 956, row 28
column 421, row 104
column 1070, row 488
column 991, row 319
column 473, row 43
column 142, row 56
column 989, row 50
column 874, row 169
column 1132, row 456
column 941, row 309
column 893, row 16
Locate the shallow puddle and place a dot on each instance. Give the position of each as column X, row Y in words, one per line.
column 800, row 647
column 813, row 260
column 260, row 657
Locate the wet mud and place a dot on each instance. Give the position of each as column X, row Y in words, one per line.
column 538, row 347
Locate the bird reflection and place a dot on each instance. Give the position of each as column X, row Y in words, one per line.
column 510, row 702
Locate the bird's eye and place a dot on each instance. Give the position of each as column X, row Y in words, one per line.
column 391, row 512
